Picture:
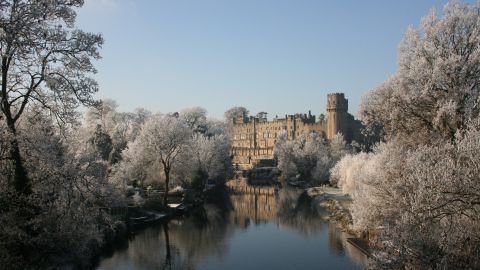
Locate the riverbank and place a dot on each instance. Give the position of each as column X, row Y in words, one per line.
column 335, row 207
column 334, row 203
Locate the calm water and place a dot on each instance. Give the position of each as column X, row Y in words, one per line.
column 265, row 229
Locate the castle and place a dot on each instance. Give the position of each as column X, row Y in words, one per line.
column 254, row 138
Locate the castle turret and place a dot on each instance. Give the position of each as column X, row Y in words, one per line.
column 337, row 115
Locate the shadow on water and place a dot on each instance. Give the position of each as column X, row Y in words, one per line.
column 240, row 231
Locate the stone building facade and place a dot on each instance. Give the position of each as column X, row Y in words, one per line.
column 254, row 138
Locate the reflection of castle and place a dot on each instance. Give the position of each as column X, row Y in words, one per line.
column 258, row 204
column 254, row 138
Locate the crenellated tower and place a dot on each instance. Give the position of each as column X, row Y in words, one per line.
column 254, row 138
column 337, row 115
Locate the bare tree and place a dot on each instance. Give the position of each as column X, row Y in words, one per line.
column 45, row 60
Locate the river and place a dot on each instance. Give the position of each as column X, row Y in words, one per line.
column 263, row 229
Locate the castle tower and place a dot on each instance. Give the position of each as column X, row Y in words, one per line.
column 337, row 108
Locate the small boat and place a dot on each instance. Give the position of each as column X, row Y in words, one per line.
column 180, row 207
column 296, row 183
column 148, row 218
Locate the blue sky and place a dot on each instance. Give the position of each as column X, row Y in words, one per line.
column 277, row 56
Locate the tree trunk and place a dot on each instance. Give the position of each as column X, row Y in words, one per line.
column 20, row 179
column 166, row 170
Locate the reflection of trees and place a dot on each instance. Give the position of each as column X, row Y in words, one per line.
column 297, row 213
column 149, row 250
column 181, row 243
column 184, row 243
column 168, row 255
column 205, row 231
column 339, row 246
column 354, row 253
column 335, row 240
column 202, row 234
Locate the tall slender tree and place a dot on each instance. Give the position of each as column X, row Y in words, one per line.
column 44, row 60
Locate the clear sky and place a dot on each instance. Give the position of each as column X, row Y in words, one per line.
column 277, row 56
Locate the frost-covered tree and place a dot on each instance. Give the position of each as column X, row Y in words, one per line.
column 61, row 222
column 103, row 114
column 284, row 155
column 205, row 152
column 195, row 117
column 127, row 125
column 46, row 61
column 235, row 112
column 306, row 157
column 435, row 91
column 425, row 201
column 208, row 154
column 102, row 143
column 127, row 128
column 162, row 139
column 120, row 127
column 347, row 172
column 420, row 189
column 215, row 127
column 133, row 167
column 338, row 147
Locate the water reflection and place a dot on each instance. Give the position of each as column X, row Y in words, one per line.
column 258, row 205
column 339, row 246
column 242, row 231
column 203, row 234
